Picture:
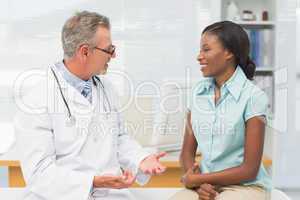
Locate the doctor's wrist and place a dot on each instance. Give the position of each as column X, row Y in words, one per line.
column 98, row 182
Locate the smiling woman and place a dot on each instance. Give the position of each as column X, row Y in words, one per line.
column 226, row 122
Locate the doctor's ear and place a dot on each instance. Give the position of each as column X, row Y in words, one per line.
column 83, row 50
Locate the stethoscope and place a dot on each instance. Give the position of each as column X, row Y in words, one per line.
column 71, row 119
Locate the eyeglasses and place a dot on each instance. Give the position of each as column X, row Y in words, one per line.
column 111, row 50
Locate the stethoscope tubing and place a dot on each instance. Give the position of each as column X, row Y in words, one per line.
column 94, row 78
column 61, row 93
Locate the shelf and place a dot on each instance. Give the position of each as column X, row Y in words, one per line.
column 264, row 69
column 255, row 23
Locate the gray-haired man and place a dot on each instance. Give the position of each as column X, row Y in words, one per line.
column 76, row 152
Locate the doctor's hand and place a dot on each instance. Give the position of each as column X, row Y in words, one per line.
column 114, row 182
column 151, row 164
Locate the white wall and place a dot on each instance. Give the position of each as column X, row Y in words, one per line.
column 155, row 39
column 287, row 137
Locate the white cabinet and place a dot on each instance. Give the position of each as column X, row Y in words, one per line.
column 286, row 172
column 261, row 32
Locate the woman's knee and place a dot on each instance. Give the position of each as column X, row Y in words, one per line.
column 185, row 194
column 242, row 193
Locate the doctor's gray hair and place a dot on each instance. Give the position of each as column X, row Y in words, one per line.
column 81, row 29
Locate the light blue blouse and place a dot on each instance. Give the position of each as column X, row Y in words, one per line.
column 220, row 128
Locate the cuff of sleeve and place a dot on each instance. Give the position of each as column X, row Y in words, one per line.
column 90, row 181
column 256, row 115
column 141, row 178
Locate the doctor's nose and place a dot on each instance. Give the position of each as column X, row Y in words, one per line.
column 114, row 55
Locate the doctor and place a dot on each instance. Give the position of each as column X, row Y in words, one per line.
column 72, row 140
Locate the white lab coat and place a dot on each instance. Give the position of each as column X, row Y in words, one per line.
column 60, row 162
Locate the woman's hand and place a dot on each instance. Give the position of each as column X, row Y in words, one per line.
column 114, row 182
column 207, row 192
column 189, row 178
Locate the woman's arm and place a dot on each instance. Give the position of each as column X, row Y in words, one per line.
column 189, row 147
column 247, row 171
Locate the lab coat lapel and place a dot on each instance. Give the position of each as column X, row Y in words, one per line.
column 71, row 94
column 99, row 97
column 95, row 95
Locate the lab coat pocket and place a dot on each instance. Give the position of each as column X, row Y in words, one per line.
column 66, row 135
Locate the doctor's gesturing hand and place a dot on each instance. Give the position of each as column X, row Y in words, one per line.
column 151, row 165
column 113, row 181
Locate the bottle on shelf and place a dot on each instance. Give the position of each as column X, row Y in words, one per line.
column 232, row 11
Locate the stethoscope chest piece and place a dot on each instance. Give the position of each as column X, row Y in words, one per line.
column 70, row 121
